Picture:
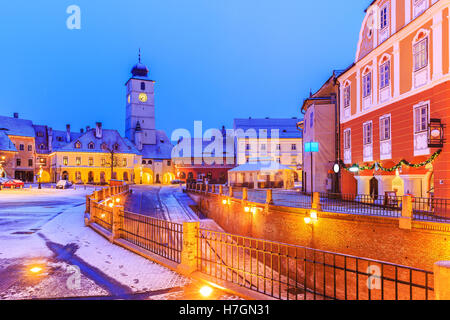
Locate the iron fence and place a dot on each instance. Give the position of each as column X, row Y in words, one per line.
column 102, row 215
column 386, row 206
column 431, row 209
column 290, row 272
column 161, row 237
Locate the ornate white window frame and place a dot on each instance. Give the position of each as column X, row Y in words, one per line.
column 385, row 93
column 367, row 100
column 385, row 144
column 347, row 147
column 368, row 147
column 421, row 77
column 346, row 108
column 419, row 6
column 421, row 138
column 385, row 32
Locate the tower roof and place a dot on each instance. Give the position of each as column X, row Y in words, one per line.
column 139, row 69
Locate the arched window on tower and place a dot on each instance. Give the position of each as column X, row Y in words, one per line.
column 142, row 85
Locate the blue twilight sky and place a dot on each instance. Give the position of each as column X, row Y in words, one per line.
column 213, row 60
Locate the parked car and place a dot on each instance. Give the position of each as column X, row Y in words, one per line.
column 13, row 184
column 177, row 182
column 63, row 184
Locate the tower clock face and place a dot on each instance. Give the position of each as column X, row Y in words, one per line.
column 143, row 97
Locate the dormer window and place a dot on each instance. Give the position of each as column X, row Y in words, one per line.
column 60, row 139
column 116, row 147
column 91, row 146
column 104, row 146
column 78, row 145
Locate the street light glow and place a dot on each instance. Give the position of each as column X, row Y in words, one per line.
column 313, row 215
column 36, row 269
column 307, row 220
column 206, row 291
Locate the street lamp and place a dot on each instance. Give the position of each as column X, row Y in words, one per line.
column 312, row 147
column 40, row 176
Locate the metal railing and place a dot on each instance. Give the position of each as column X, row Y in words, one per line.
column 385, row 206
column 291, row 272
column 431, row 209
column 102, row 215
column 161, row 237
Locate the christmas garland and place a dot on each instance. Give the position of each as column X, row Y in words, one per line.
column 403, row 162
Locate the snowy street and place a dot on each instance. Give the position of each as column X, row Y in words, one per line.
column 45, row 229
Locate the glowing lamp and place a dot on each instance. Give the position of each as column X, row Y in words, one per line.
column 247, row 209
column 36, row 269
column 313, row 215
column 206, row 291
column 307, row 220
column 102, row 216
column 111, row 204
column 118, row 200
column 224, row 201
column 354, row 168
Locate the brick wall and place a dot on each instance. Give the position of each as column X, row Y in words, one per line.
column 370, row 237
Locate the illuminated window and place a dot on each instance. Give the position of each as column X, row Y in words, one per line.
column 124, row 162
column 65, row 161
column 91, row 161
column 78, row 145
column 103, row 162
column 78, row 161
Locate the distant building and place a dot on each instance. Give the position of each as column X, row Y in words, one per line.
column 35, row 153
column 199, row 160
column 321, row 124
column 278, row 140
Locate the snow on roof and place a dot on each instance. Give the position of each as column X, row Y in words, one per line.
column 17, row 127
column 287, row 128
column 161, row 150
column 260, row 166
column 109, row 137
column 6, row 143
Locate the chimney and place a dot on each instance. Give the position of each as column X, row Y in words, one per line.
column 50, row 138
column 68, row 133
column 16, row 115
column 81, row 130
column 88, row 128
column 98, row 130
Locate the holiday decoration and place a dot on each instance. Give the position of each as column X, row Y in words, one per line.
column 403, row 162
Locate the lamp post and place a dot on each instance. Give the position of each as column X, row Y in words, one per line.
column 2, row 170
column 40, row 175
column 312, row 147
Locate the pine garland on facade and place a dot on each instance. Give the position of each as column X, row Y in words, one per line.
column 403, row 162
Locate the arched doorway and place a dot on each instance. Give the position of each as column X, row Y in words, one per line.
column 157, row 178
column 102, row 178
column 373, row 183
column 90, row 177
column 398, row 185
column 65, row 175
column 147, row 178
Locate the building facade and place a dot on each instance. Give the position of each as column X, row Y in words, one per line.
column 197, row 159
column 277, row 140
column 394, row 98
column 321, row 125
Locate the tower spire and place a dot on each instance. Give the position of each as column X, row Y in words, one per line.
column 139, row 55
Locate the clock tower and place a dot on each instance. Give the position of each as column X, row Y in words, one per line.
column 140, row 102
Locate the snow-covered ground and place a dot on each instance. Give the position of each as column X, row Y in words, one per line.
column 46, row 228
